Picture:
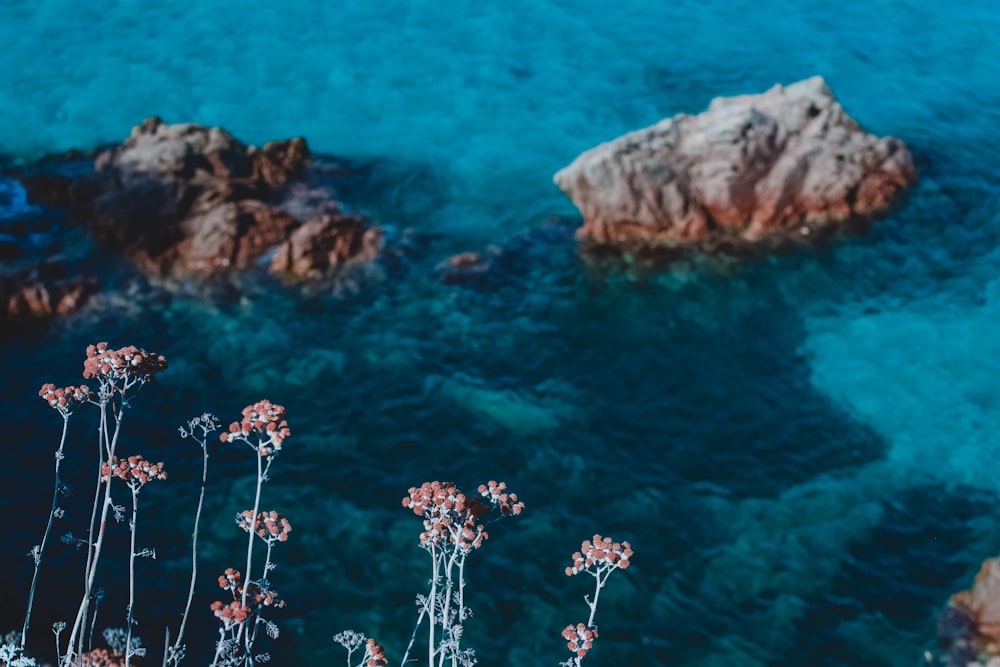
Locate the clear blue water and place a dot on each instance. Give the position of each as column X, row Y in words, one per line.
column 800, row 450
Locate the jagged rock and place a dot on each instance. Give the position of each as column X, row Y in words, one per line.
column 783, row 166
column 49, row 180
column 155, row 149
column 324, row 243
column 41, row 293
column 279, row 160
column 186, row 200
column 971, row 623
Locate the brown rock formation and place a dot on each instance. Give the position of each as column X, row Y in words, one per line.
column 43, row 292
column 324, row 243
column 187, row 200
column 970, row 627
column 781, row 166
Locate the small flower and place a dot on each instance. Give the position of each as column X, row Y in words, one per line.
column 230, row 614
column 262, row 597
column 129, row 365
column 374, row 654
column 230, row 579
column 579, row 638
column 269, row 526
column 267, row 420
column 507, row 502
column 452, row 518
column 600, row 555
column 100, row 657
column 135, row 470
column 65, row 399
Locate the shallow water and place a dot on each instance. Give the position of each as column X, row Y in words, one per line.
column 799, row 450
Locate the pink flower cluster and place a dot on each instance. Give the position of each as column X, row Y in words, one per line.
column 450, row 517
column 374, row 654
column 270, row 526
column 100, row 657
column 65, row 399
column 600, row 555
column 265, row 419
column 498, row 496
column 580, row 638
column 134, row 470
column 236, row 612
column 128, row 363
column 263, row 597
column 230, row 579
column 230, row 614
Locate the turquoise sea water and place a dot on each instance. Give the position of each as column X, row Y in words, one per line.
column 801, row 450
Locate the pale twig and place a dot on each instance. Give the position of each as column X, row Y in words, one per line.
column 37, row 554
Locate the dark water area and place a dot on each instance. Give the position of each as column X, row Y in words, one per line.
column 799, row 448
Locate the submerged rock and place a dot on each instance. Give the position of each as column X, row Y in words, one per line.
column 38, row 294
column 186, row 200
column 467, row 268
column 527, row 256
column 324, row 243
column 754, row 170
column 522, row 412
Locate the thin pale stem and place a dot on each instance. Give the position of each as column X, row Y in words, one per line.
column 261, row 475
column 263, row 580
column 93, row 619
column 251, row 525
column 413, row 635
column 45, row 535
column 461, row 586
column 431, row 601
column 461, row 596
column 194, row 543
column 597, row 592
column 218, row 647
column 112, row 446
column 102, row 434
column 446, row 614
column 131, row 575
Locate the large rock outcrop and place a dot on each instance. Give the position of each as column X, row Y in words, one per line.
column 752, row 170
column 191, row 201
